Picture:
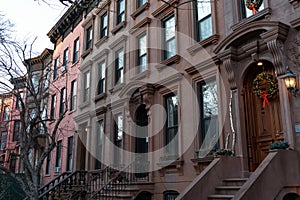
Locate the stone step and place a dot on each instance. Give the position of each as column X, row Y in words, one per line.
column 234, row 181
column 231, row 190
column 220, row 197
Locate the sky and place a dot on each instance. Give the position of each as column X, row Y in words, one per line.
column 33, row 18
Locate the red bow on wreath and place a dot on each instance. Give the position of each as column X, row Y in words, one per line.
column 264, row 97
column 252, row 7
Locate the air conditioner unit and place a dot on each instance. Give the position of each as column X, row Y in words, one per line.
column 56, row 169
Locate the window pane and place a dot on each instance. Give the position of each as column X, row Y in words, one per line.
column 3, row 140
column 210, row 99
column 119, row 127
column 203, row 9
column 170, row 28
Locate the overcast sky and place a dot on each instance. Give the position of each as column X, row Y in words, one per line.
column 33, row 18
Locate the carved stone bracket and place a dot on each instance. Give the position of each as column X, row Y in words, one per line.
column 295, row 3
column 147, row 92
column 275, row 39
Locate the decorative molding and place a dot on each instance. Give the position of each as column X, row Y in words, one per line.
column 164, row 8
column 85, row 65
column 82, row 117
column 265, row 13
column 147, row 91
column 121, row 39
column 86, row 52
column 99, row 55
column 102, row 5
column 173, row 60
column 141, row 75
column 118, row 27
column 142, row 23
column 203, row 43
column 295, row 3
column 168, row 80
column 101, row 110
column 202, row 66
column 99, row 97
column 140, row 10
column 296, row 24
column 101, row 41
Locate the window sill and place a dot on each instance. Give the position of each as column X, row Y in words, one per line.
column 72, row 111
column 117, row 87
column 203, row 43
column 201, row 163
column 75, row 63
column 139, row 10
column 265, row 13
column 141, row 75
column 118, row 27
column 100, row 96
column 170, row 166
column 173, row 60
column 101, row 41
column 84, row 104
column 86, row 52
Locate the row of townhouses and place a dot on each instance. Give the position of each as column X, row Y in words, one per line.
column 169, row 99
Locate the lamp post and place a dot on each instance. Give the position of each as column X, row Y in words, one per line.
column 290, row 80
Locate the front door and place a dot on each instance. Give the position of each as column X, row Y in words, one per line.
column 141, row 141
column 263, row 122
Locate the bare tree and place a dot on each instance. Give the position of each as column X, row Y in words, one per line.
column 36, row 141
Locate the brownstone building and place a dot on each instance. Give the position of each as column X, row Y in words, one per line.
column 165, row 86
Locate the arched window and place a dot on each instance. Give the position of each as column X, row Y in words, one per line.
column 170, row 195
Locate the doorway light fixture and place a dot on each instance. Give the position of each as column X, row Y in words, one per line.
column 290, row 80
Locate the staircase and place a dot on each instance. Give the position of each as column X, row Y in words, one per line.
column 228, row 189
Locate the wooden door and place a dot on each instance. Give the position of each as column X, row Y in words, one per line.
column 263, row 124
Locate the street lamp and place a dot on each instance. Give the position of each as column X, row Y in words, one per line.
column 290, row 80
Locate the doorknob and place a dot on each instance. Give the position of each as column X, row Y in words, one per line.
column 277, row 134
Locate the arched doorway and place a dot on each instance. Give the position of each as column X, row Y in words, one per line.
column 141, row 140
column 291, row 196
column 144, row 196
column 263, row 121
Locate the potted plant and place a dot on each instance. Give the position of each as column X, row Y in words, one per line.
column 224, row 152
column 279, row 145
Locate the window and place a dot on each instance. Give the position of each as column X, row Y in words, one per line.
column 13, row 162
column 86, row 89
column 120, row 11
column 209, row 116
column 101, row 77
column 48, row 163
column 55, row 68
column 103, row 25
column 58, row 154
column 118, row 127
column 99, row 140
column 53, row 104
column 247, row 12
column 3, row 140
column 140, row 3
column 65, row 60
column 142, row 53
column 47, row 79
column 17, row 129
column 171, row 137
column 69, row 154
column 119, row 66
column 76, row 50
column 19, row 100
column 6, row 113
column 73, row 95
column 89, row 37
column 203, row 20
column 169, row 37
column 62, row 101
column 35, row 82
column 170, row 195
column 44, row 118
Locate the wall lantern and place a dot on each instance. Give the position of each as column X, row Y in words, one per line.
column 290, row 80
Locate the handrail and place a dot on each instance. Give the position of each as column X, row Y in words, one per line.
column 67, row 180
column 52, row 181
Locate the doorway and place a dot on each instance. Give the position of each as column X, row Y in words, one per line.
column 263, row 121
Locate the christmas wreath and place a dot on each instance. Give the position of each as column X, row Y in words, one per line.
column 253, row 5
column 265, row 86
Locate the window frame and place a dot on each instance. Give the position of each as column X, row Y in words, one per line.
column 73, row 95
column 99, row 143
column 62, row 103
column 173, row 195
column 6, row 113
column 64, row 66
column 16, row 131
column 3, row 144
column 120, row 13
column 58, row 154
column 170, row 40
column 101, row 87
column 76, row 50
column 55, row 68
column 199, row 21
column 168, row 129
column 118, row 131
column 141, row 68
column 69, row 162
column 86, row 85
column 140, row 3
column 89, row 38
column 104, row 29
column 48, row 164
column 53, row 104
column 119, row 70
column 18, row 102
